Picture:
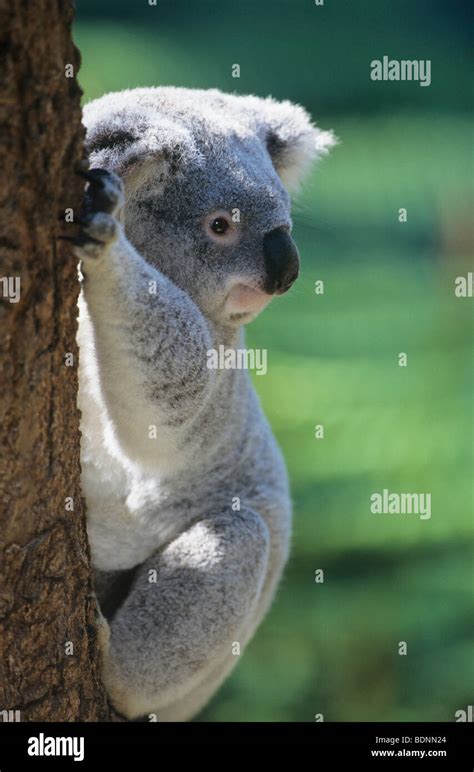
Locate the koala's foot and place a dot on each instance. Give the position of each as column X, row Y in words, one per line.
column 103, row 630
column 104, row 197
column 103, row 633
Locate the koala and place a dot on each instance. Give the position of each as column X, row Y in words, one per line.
column 185, row 238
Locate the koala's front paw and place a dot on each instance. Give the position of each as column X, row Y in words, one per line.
column 104, row 197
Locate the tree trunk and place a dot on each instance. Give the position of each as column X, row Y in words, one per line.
column 48, row 642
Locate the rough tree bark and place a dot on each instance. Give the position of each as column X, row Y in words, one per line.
column 46, row 600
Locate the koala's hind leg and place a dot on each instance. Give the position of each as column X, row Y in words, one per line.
column 187, row 604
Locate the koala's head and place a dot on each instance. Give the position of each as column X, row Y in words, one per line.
column 206, row 177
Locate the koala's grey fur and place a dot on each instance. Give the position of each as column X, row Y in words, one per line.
column 181, row 572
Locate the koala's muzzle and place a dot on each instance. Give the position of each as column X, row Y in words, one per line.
column 282, row 261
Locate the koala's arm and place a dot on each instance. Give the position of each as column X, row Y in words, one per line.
column 171, row 640
column 150, row 338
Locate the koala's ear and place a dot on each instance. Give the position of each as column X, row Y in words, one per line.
column 124, row 139
column 292, row 140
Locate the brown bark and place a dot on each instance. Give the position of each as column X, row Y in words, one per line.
column 46, row 596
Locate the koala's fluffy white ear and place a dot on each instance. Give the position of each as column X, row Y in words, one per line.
column 122, row 137
column 292, row 140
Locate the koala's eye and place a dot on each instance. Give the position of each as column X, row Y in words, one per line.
column 220, row 227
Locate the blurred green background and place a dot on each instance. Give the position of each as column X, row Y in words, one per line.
column 332, row 648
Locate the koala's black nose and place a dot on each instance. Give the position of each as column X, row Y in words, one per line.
column 282, row 261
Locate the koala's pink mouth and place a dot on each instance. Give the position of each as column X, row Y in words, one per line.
column 243, row 299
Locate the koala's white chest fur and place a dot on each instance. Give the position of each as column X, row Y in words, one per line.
column 123, row 500
column 127, row 513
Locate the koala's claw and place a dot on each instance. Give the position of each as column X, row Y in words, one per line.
column 104, row 197
column 104, row 193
